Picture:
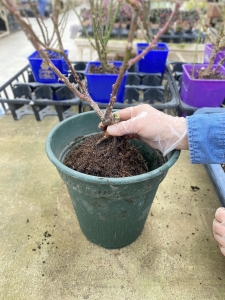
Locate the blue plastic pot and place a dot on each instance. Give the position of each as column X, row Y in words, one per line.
column 47, row 76
column 155, row 60
column 100, row 85
column 111, row 211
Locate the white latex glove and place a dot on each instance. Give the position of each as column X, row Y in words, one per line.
column 219, row 228
column 159, row 130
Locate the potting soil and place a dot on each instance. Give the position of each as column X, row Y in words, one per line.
column 114, row 157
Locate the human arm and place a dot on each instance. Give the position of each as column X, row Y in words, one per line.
column 206, row 136
column 202, row 134
column 159, row 130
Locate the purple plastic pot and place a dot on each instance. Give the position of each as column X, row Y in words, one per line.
column 201, row 92
column 208, row 53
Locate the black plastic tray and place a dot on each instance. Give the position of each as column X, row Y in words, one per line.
column 172, row 37
column 21, row 95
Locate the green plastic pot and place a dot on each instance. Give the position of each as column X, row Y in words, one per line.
column 111, row 211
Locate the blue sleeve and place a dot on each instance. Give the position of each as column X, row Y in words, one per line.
column 206, row 138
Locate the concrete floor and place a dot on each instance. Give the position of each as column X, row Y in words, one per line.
column 176, row 256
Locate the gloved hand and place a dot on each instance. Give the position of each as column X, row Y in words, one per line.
column 219, row 228
column 159, row 130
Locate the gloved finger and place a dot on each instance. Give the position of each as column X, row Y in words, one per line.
column 219, row 228
column 131, row 126
column 219, row 239
column 220, row 214
column 127, row 113
column 122, row 128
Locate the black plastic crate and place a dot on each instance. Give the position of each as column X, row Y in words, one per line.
column 172, row 37
column 154, row 89
column 21, row 95
column 184, row 37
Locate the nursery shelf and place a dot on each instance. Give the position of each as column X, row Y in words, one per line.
column 21, row 95
column 178, row 51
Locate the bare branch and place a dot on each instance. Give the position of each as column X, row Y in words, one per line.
column 157, row 37
column 127, row 62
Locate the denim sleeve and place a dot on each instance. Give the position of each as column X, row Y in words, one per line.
column 206, row 138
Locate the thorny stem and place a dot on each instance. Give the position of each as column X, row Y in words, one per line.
column 108, row 117
column 127, row 62
column 72, row 87
column 217, row 46
column 213, row 56
column 98, row 36
column 156, row 38
column 109, row 30
column 143, row 31
column 84, row 29
column 55, row 19
column 146, row 23
column 219, row 65
column 37, row 45
column 41, row 24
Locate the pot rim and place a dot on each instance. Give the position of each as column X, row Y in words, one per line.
column 160, row 44
column 104, row 180
column 98, row 63
column 197, row 66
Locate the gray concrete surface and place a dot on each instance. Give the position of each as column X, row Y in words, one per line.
column 176, row 256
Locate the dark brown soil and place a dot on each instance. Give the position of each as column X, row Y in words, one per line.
column 114, row 157
column 98, row 70
column 223, row 166
column 217, row 76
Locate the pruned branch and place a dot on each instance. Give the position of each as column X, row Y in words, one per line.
column 127, row 62
column 101, row 45
column 84, row 95
column 157, row 37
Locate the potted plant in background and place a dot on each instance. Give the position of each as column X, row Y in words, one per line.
column 111, row 211
column 155, row 60
column 203, row 85
column 103, row 17
column 208, row 53
column 47, row 39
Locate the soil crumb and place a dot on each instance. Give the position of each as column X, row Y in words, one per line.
column 114, row 157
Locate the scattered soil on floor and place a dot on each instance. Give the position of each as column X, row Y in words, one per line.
column 195, row 188
column 114, row 157
column 99, row 70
